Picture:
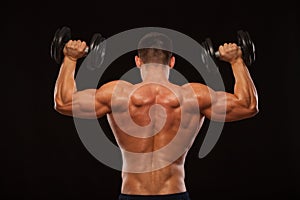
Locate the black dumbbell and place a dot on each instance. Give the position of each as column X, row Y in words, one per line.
column 244, row 42
column 63, row 35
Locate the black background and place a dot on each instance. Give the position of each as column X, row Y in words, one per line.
column 43, row 157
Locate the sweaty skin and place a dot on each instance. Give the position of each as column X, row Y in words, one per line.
column 148, row 116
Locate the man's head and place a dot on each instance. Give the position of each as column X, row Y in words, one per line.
column 155, row 47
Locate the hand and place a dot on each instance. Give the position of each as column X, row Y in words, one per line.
column 230, row 52
column 75, row 49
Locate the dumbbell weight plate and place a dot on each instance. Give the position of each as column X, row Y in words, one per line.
column 53, row 45
column 96, row 51
column 209, row 47
column 96, row 40
column 61, row 37
column 209, row 55
column 247, row 47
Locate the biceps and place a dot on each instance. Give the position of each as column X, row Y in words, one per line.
column 226, row 107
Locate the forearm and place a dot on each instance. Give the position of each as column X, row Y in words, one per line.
column 65, row 85
column 244, row 88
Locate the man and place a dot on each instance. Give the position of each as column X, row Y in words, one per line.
column 155, row 122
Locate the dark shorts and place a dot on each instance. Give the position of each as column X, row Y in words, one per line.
column 177, row 196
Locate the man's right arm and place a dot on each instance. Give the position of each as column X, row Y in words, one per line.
column 224, row 106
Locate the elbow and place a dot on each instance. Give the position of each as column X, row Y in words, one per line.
column 64, row 108
column 58, row 105
column 250, row 107
column 253, row 110
column 62, row 102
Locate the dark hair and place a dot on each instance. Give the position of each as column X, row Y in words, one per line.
column 155, row 47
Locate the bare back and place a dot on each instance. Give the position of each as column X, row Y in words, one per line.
column 154, row 125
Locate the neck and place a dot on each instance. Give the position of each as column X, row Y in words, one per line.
column 154, row 72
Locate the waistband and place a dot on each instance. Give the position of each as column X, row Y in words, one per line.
column 176, row 196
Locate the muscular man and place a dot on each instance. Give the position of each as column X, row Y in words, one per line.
column 155, row 119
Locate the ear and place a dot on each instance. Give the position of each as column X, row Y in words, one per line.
column 172, row 62
column 138, row 61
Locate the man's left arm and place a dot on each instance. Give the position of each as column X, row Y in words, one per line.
column 89, row 103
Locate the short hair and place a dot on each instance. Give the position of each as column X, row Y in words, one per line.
column 155, row 47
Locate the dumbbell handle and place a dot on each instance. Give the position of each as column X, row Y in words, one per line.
column 86, row 50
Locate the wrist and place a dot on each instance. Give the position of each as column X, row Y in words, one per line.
column 238, row 61
column 68, row 59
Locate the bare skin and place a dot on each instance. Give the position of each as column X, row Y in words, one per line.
column 162, row 172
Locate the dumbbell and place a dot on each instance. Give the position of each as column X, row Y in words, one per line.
column 243, row 41
column 63, row 35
